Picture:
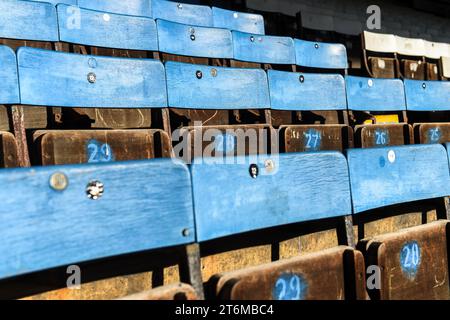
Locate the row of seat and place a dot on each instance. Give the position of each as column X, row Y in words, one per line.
column 90, row 212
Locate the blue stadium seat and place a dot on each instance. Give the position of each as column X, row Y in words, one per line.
column 108, row 30
column 297, row 92
column 320, row 55
column 415, row 259
column 130, row 7
column 382, row 111
column 223, row 209
column 238, row 21
column 126, row 202
column 56, row 2
column 191, row 14
column 429, row 97
column 9, row 89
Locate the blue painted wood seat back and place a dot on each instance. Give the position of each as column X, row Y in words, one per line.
column 320, row 55
column 300, row 91
column 191, row 14
column 109, row 30
column 294, row 187
column 188, row 40
column 56, row 2
column 49, row 78
column 145, row 205
column 192, row 86
column 447, row 146
column 9, row 87
column 263, row 49
column 427, row 95
column 131, row 7
column 386, row 176
column 238, row 21
column 370, row 94
column 28, row 20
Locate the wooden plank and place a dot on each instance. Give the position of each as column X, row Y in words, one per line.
column 320, row 54
column 9, row 88
column 432, row 132
column 369, row 94
column 410, row 47
column 385, row 176
column 71, row 80
column 435, row 50
column 15, row 20
column 204, row 87
column 304, row 138
column 378, row 42
column 187, row 40
column 98, row 146
column 263, row 49
column 413, row 69
column 129, row 7
column 298, row 91
column 427, row 95
column 238, row 21
column 325, row 275
column 8, row 150
column 145, row 205
column 107, row 29
column 381, row 135
column 179, row 291
column 383, row 67
column 413, row 263
column 289, row 188
column 185, row 13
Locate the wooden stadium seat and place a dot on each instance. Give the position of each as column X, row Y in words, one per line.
column 378, row 108
column 413, row 262
column 134, row 37
column 206, row 96
column 238, row 21
column 171, row 292
column 224, row 211
column 141, row 8
column 8, row 150
column 379, row 55
column 411, row 55
column 191, row 14
column 429, row 101
column 433, row 53
column 446, row 66
column 296, row 93
column 129, row 206
column 67, row 80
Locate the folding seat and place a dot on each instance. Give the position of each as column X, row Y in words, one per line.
column 238, row 21
column 134, row 37
column 86, row 215
column 445, row 62
column 428, row 104
column 288, row 193
column 33, row 24
column 411, row 56
column 67, row 80
column 199, row 91
column 194, row 15
column 411, row 263
column 379, row 55
column 433, row 53
column 378, row 110
column 130, row 7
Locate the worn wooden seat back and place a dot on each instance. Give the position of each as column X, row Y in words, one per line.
column 434, row 51
column 67, row 80
column 445, row 62
column 413, row 262
column 285, row 189
column 379, row 110
column 379, row 55
column 92, row 212
column 411, row 55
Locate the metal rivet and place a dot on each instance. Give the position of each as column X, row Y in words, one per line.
column 370, row 82
column 180, row 6
column 199, row 74
column 94, row 190
column 91, row 77
column 92, row 63
column 254, row 171
column 424, row 85
column 106, row 17
column 316, row 46
column 59, row 181
column 192, row 37
column 391, row 156
column 270, row 165
column 186, row 233
column 235, row 15
column 252, row 39
column 214, row 72
column 302, row 78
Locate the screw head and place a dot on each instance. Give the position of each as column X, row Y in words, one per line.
column 316, row 46
column 301, row 78
column 424, row 85
column 180, row 6
column 270, row 165
column 192, row 37
column 254, row 171
column 92, row 63
column 214, row 72
column 59, row 181
column 199, row 74
column 370, row 82
column 236, row 15
column 252, row 39
column 91, row 77
column 186, row 233
column 94, row 190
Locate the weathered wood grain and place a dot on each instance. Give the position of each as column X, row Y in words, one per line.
column 130, row 7
column 9, row 88
column 191, row 14
column 320, row 55
column 427, row 95
column 239, row 21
